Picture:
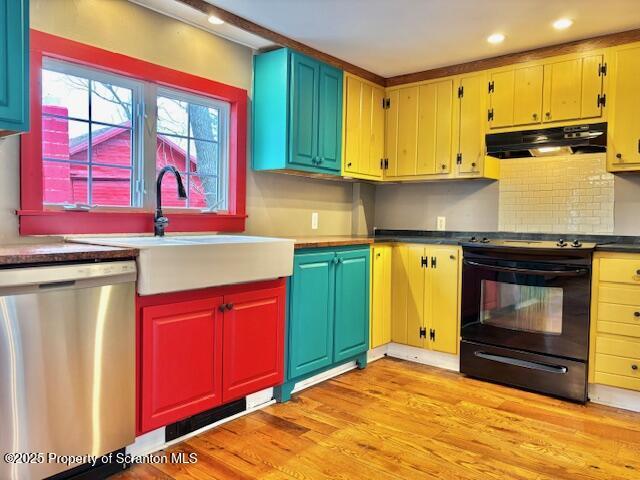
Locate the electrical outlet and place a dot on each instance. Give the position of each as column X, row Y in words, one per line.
column 314, row 220
column 441, row 223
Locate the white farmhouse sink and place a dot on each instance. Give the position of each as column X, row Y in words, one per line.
column 175, row 263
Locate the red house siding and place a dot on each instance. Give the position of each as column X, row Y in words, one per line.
column 111, row 186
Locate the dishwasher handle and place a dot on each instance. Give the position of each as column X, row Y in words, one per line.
column 66, row 276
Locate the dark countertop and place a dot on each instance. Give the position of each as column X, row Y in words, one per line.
column 331, row 241
column 604, row 243
column 60, row 252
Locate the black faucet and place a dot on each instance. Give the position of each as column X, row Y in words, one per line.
column 160, row 221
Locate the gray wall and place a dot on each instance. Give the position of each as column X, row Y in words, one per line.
column 468, row 205
column 472, row 205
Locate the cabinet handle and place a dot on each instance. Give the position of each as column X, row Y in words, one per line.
column 634, row 367
column 452, row 257
column 349, row 164
column 335, row 260
column 222, row 307
column 229, row 306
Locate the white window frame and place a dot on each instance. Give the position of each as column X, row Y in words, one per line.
column 144, row 136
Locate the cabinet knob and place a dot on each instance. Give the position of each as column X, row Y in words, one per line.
column 636, row 314
column 535, row 116
column 378, row 255
column 444, row 167
column 452, row 257
column 222, row 307
column 320, row 160
column 349, row 164
column 634, row 367
column 638, row 272
column 473, row 164
column 548, row 114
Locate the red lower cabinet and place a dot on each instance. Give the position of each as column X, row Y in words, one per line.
column 181, row 360
column 197, row 350
column 253, row 333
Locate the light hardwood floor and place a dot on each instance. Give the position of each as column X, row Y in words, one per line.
column 399, row 420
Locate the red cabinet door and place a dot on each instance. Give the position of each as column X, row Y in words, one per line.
column 181, row 360
column 253, row 342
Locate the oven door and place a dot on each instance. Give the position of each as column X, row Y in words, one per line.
column 527, row 305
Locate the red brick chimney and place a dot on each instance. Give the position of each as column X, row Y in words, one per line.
column 56, row 176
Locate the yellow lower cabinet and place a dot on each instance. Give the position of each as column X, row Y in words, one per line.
column 615, row 321
column 380, row 332
column 425, row 299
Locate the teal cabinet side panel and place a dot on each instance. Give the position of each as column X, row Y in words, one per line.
column 270, row 109
column 351, row 335
column 311, row 313
column 14, row 65
column 305, row 77
column 330, row 118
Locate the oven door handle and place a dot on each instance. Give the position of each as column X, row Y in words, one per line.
column 522, row 363
column 560, row 273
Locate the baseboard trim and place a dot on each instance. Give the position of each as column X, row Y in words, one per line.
column 324, row 376
column 377, row 353
column 614, row 397
column 154, row 441
column 425, row 357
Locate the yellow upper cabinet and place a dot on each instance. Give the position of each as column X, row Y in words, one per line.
column 435, row 129
column 363, row 143
column 624, row 120
column 527, row 103
column 435, row 122
column 561, row 89
column 469, row 122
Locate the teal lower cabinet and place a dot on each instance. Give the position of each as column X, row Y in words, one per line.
column 328, row 314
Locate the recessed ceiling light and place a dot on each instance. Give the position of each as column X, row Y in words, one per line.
column 495, row 38
column 215, row 20
column 562, row 23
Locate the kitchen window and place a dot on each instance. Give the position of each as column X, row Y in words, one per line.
column 102, row 127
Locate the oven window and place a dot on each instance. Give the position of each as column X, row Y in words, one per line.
column 521, row 307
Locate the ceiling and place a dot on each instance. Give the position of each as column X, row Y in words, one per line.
column 189, row 15
column 394, row 37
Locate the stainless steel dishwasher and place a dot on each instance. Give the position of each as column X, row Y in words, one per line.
column 67, row 363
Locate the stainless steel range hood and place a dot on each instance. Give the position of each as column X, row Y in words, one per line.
column 588, row 138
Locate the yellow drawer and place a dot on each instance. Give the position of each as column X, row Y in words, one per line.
column 612, row 312
column 617, row 328
column 617, row 381
column 621, row 270
column 622, row 294
column 629, row 367
column 621, row 347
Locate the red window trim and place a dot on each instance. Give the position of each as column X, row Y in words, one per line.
column 35, row 219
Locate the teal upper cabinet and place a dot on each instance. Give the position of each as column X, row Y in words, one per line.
column 14, row 66
column 297, row 113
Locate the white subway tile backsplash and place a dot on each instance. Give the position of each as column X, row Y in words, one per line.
column 570, row 194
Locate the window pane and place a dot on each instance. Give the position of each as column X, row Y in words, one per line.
column 65, row 95
column 204, row 157
column 203, row 122
column 111, row 104
column 172, row 116
column 171, row 151
column 204, row 193
column 111, row 186
column 111, row 145
column 64, row 139
column 64, row 183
